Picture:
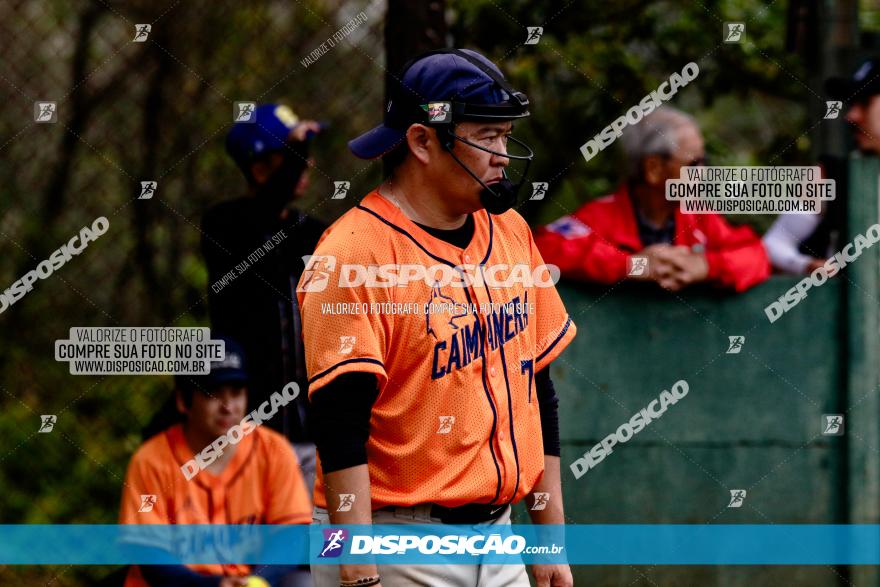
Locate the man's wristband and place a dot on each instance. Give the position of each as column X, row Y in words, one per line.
column 362, row 582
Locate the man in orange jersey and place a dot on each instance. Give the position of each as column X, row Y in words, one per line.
column 430, row 322
column 185, row 476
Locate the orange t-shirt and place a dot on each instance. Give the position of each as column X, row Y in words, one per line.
column 456, row 420
column 261, row 484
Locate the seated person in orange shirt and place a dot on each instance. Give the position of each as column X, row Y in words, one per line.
column 598, row 242
column 256, row 480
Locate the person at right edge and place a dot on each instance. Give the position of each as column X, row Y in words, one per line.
column 447, row 417
column 801, row 243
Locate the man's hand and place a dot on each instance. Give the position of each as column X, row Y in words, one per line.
column 654, row 253
column 557, row 575
column 300, row 131
column 675, row 267
column 814, row 264
column 233, row 582
column 552, row 576
column 692, row 267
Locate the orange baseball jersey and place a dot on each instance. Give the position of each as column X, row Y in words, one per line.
column 261, row 484
column 456, row 420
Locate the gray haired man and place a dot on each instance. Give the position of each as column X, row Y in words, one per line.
column 636, row 233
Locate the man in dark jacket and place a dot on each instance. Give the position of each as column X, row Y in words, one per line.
column 253, row 247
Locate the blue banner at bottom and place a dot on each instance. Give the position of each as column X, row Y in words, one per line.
column 670, row 544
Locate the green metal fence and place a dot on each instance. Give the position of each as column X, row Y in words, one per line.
column 752, row 420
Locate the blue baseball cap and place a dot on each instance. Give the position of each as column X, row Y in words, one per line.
column 864, row 83
column 247, row 141
column 231, row 369
column 442, row 87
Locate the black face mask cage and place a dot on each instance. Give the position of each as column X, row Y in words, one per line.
column 527, row 157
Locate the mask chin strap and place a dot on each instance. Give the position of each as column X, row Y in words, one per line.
column 501, row 196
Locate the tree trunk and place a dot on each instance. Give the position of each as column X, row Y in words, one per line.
column 411, row 28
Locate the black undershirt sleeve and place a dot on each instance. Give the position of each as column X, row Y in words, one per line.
column 343, row 405
column 548, row 404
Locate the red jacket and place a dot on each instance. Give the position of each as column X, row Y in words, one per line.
column 595, row 242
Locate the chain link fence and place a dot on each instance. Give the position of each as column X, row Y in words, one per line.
column 128, row 110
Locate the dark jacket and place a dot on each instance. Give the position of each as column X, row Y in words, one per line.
column 252, row 296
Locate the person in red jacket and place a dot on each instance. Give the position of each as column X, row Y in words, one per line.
column 597, row 242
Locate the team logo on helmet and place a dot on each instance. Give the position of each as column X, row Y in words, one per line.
column 440, row 112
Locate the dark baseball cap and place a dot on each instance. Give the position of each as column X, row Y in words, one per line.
column 444, row 86
column 269, row 131
column 230, row 370
column 864, row 83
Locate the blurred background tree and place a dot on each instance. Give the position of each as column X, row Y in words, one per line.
column 595, row 60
